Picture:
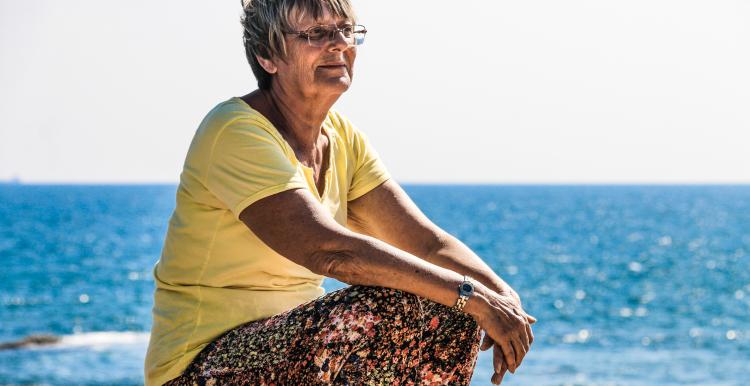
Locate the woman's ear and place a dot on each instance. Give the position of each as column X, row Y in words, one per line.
column 267, row 64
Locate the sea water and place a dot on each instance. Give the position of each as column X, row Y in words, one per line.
column 632, row 285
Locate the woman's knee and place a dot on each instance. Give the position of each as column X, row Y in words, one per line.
column 382, row 303
column 394, row 304
column 440, row 315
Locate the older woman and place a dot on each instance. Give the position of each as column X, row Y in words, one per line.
column 278, row 192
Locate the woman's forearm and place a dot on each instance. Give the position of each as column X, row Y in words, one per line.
column 327, row 248
column 364, row 260
column 456, row 256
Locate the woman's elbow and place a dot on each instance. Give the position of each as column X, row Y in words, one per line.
column 340, row 265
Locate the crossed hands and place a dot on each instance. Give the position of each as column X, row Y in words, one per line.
column 507, row 327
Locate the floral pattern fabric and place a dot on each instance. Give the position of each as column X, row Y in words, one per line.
column 358, row 335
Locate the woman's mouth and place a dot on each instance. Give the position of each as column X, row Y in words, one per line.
column 333, row 66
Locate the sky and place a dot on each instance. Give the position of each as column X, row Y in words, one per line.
column 517, row 92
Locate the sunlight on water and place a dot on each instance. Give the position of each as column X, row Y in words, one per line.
column 632, row 285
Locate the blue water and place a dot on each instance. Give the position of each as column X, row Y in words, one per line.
column 632, row 285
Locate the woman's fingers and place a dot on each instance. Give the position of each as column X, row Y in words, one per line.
column 508, row 326
column 530, row 334
column 498, row 375
column 519, row 352
column 525, row 342
column 496, row 379
column 497, row 358
column 502, row 372
column 509, row 354
column 524, row 334
column 522, row 337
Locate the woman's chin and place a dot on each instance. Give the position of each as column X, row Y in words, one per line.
column 336, row 84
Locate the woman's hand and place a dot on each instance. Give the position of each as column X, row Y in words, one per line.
column 498, row 360
column 507, row 327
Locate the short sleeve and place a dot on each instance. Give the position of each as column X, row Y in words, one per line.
column 369, row 169
column 248, row 163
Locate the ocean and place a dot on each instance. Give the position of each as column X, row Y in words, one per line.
column 632, row 285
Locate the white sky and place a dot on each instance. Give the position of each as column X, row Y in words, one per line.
column 542, row 91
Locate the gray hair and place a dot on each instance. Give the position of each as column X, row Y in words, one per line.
column 264, row 23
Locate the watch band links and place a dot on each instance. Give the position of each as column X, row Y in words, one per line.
column 462, row 298
column 460, row 303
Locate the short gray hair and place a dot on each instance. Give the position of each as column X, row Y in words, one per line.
column 264, row 23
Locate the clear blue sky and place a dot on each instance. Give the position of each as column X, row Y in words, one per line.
column 478, row 91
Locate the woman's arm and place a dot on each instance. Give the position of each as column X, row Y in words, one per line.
column 292, row 224
column 387, row 213
column 297, row 226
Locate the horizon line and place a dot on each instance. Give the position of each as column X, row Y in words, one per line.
column 17, row 182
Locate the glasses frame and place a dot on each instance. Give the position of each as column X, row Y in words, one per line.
column 332, row 31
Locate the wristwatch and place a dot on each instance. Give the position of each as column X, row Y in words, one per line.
column 465, row 290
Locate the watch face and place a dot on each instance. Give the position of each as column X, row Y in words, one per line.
column 467, row 288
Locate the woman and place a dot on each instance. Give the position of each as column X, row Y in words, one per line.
column 278, row 192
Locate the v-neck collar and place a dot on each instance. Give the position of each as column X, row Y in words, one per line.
column 308, row 171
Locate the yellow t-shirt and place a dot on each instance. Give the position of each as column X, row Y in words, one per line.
column 215, row 273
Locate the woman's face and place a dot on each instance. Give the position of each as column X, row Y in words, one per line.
column 316, row 71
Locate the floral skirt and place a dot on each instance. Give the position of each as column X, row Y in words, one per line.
column 358, row 335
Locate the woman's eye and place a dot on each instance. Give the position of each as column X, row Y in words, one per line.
column 316, row 33
column 348, row 30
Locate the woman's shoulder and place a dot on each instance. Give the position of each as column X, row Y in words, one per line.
column 233, row 119
column 231, row 126
column 231, row 110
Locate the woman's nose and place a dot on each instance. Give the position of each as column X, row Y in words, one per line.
column 339, row 41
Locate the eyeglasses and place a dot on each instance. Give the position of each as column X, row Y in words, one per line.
column 320, row 35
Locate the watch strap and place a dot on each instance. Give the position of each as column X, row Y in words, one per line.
column 463, row 297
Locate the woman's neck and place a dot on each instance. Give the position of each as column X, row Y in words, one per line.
column 301, row 117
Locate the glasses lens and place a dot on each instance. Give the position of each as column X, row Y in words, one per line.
column 347, row 31
column 319, row 36
column 358, row 35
